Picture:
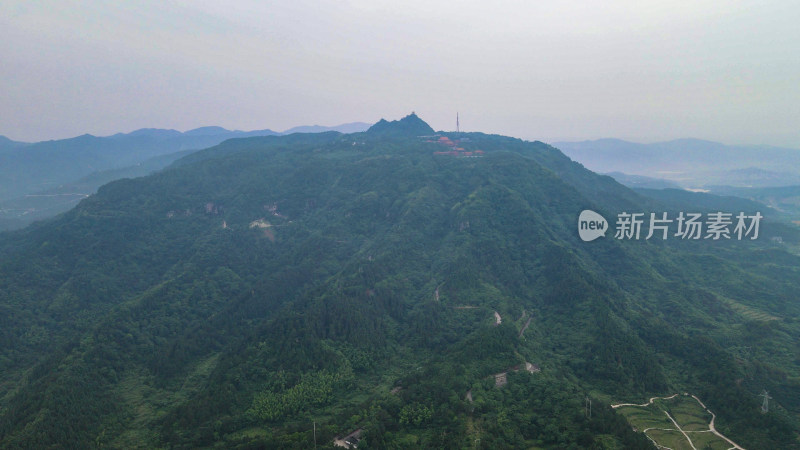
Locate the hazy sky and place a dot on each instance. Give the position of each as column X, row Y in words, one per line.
column 548, row 70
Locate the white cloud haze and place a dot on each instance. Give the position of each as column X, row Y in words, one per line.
column 561, row 70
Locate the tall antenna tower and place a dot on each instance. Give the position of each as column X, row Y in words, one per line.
column 458, row 126
column 765, row 405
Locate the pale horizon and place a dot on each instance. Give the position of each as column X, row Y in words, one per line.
column 719, row 71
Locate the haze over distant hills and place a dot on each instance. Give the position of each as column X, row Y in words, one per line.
column 691, row 163
column 354, row 127
column 216, row 131
column 6, row 143
column 38, row 180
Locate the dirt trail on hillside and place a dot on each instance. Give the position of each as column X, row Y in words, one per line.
column 711, row 427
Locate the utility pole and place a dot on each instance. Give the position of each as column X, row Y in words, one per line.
column 315, row 435
column 588, row 407
column 765, row 405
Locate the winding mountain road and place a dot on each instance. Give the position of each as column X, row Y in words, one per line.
column 652, row 399
column 713, row 429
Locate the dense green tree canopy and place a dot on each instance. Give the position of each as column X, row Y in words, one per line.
column 265, row 285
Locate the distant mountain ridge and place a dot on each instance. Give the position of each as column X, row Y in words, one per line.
column 346, row 128
column 690, row 162
column 6, row 144
column 44, row 168
column 352, row 127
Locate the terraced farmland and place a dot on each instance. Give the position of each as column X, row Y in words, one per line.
column 676, row 422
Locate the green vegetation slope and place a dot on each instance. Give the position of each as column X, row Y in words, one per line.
column 263, row 288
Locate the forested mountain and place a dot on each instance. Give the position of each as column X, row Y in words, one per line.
column 272, row 291
column 17, row 212
column 410, row 125
column 37, row 180
column 34, row 167
column 43, row 179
